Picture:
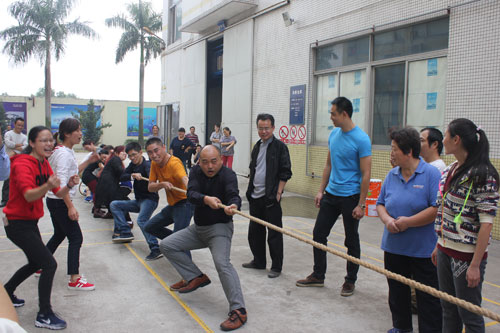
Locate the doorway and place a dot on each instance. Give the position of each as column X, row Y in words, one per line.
column 214, row 85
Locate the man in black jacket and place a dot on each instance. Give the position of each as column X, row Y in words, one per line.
column 210, row 184
column 145, row 202
column 270, row 169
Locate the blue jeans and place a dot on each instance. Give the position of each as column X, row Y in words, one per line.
column 179, row 214
column 144, row 207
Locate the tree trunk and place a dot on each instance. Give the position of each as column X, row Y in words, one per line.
column 48, row 89
column 141, row 104
column 141, row 81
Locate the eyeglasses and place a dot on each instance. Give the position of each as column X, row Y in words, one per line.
column 264, row 129
column 134, row 155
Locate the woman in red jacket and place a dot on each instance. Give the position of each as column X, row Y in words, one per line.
column 30, row 179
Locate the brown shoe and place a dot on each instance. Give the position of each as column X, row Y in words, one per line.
column 108, row 215
column 197, row 282
column 178, row 285
column 236, row 320
column 347, row 289
column 310, row 281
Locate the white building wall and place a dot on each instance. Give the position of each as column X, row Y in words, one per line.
column 193, row 95
column 237, row 90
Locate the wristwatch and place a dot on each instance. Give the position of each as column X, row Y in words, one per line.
column 363, row 206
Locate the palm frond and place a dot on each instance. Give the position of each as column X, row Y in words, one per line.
column 128, row 42
column 120, row 21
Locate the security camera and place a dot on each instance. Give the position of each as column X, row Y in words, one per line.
column 288, row 20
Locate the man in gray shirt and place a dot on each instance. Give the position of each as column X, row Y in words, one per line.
column 270, row 169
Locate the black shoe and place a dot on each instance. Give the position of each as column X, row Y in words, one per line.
column 273, row 274
column 17, row 302
column 154, row 255
column 122, row 238
column 253, row 265
column 3, row 204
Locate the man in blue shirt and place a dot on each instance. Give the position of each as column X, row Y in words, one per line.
column 343, row 189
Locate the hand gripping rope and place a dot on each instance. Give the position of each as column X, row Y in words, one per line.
column 412, row 283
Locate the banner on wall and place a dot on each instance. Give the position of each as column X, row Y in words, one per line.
column 133, row 121
column 59, row 112
column 15, row 110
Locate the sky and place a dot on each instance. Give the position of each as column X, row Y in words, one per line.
column 88, row 67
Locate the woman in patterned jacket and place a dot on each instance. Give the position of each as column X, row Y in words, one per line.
column 467, row 203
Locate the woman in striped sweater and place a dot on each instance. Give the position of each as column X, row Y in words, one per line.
column 467, row 204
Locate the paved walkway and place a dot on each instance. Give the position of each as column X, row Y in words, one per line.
column 132, row 295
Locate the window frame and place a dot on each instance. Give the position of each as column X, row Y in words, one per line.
column 370, row 76
column 172, row 21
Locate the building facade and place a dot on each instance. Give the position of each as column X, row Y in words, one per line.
column 401, row 62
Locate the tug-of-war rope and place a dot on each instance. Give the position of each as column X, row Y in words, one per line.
column 400, row 278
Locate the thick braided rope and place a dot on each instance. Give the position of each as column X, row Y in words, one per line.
column 417, row 285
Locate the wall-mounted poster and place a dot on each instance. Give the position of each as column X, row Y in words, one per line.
column 133, row 121
column 15, row 110
column 59, row 112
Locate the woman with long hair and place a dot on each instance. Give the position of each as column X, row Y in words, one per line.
column 62, row 211
column 31, row 178
column 467, row 204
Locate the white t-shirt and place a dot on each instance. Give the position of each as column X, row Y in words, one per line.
column 11, row 138
column 64, row 165
column 439, row 163
column 9, row 326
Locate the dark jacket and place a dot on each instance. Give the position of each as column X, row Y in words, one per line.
column 140, row 186
column 278, row 168
column 108, row 186
column 223, row 185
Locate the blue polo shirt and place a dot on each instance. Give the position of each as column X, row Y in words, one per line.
column 346, row 148
column 402, row 198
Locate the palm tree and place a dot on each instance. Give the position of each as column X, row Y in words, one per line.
column 143, row 21
column 41, row 32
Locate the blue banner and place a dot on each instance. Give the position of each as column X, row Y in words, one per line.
column 133, row 121
column 59, row 112
column 297, row 104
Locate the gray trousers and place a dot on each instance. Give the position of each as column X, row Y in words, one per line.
column 217, row 238
column 451, row 276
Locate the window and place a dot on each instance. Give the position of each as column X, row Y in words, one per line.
column 419, row 38
column 404, row 76
column 326, row 92
column 426, row 93
column 175, row 20
column 388, row 102
column 353, row 86
column 342, row 54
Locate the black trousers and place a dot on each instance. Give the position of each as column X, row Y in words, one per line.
column 429, row 307
column 330, row 208
column 5, row 191
column 257, row 233
column 65, row 227
column 26, row 235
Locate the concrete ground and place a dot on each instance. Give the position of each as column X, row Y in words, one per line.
column 132, row 295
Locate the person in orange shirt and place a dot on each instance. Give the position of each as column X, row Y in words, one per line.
column 167, row 171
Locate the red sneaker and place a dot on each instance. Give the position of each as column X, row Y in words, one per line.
column 38, row 272
column 81, row 284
